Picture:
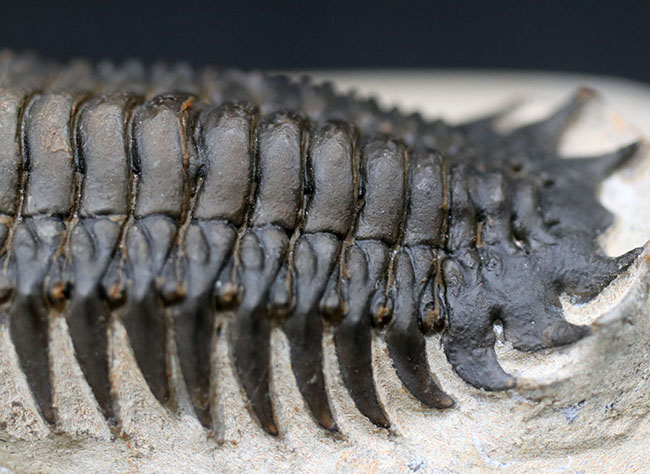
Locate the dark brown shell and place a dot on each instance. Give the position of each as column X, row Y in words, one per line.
column 162, row 197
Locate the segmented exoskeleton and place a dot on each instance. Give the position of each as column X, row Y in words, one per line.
column 162, row 197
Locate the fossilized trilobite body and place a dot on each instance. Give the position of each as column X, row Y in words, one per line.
column 283, row 203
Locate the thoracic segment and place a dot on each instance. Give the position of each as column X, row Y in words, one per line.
column 282, row 203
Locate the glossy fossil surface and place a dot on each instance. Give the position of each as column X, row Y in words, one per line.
column 466, row 258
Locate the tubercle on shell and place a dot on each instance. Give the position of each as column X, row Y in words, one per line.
column 283, row 203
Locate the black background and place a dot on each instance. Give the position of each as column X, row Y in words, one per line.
column 592, row 37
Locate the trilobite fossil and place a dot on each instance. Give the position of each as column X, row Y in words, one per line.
column 163, row 197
